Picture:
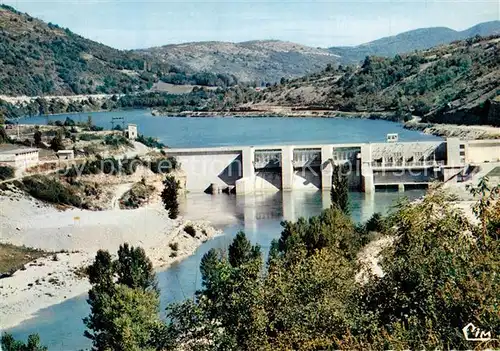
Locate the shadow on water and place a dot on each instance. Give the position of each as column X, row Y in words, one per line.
column 60, row 326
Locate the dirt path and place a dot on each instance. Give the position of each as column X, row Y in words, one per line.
column 120, row 190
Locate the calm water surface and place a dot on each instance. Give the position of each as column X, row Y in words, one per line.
column 60, row 326
column 221, row 131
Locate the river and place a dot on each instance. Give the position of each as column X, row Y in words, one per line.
column 60, row 326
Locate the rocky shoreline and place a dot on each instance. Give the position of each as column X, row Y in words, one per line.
column 276, row 112
column 464, row 132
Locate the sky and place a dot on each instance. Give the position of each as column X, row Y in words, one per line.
column 134, row 24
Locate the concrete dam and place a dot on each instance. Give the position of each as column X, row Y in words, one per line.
column 249, row 169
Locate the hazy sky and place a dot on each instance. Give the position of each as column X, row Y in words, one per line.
column 128, row 24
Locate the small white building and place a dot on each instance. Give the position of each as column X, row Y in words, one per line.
column 66, row 154
column 392, row 137
column 131, row 132
column 20, row 158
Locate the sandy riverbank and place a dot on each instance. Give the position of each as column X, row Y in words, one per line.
column 49, row 281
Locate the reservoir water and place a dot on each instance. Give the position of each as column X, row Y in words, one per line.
column 61, row 327
column 224, row 131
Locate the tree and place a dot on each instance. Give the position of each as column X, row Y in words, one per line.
column 124, row 301
column 8, row 343
column 241, row 250
column 339, row 193
column 375, row 223
column 131, row 316
column 208, row 265
column 134, row 269
column 437, row 279
column 169, row 196
column 37, row 136
column 56, row 143
column 69, row 122
column 90, row 122
column 4, row 138
column 488, row 200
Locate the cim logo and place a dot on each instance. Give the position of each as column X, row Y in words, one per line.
column 473, row 333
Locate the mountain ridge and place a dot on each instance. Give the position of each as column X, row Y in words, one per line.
column 39, row 59
column 416, row 39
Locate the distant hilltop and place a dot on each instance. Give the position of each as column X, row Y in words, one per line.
column 418, row 39
column 251, row 61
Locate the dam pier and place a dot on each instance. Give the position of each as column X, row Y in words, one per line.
column 249, row 169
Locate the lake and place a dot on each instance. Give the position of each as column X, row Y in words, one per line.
column 60, row 326
column 225, row 131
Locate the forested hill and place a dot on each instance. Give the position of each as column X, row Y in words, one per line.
column 418, row 39
column 452, row 83
column 38, row 58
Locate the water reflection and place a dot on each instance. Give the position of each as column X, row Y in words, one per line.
column 60, row 326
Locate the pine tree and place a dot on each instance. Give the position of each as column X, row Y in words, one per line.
column 339, row 193
column 169, row 196
column 134, row 269
column 241, row 250
column 208, row 264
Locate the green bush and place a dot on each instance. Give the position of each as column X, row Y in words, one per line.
column 116, row 140
column 108, row 165
column 6, row 172
column 56, row 143
column 89, row 137
column 150, row 142
column 137, row 195
column 375, row 223
column 50, row 190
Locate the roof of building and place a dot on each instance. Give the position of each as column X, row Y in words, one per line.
column 65, row 151
column 16, row 150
